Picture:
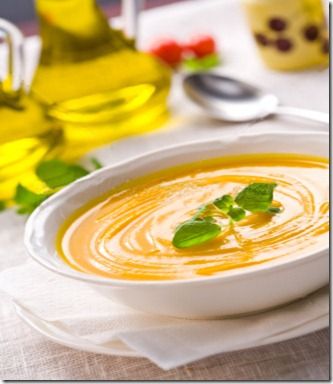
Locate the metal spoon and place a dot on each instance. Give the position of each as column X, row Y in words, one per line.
column 229, row 99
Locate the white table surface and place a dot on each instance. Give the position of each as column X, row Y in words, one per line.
column 24, row 354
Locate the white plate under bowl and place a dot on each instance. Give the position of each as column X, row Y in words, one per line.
column 237, row 291
column 55, row 332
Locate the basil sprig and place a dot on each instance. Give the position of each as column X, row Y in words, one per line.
column 2, row 205
column 55, row 174
column 196, row 231
column 257, row 197
column 27, row 200
column 203, row 227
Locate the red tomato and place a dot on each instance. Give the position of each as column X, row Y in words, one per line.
column 169, row 51
column 201, row 46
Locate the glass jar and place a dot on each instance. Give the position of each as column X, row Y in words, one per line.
column 290, row 34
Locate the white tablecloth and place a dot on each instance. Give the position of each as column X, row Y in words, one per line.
column 24, row 354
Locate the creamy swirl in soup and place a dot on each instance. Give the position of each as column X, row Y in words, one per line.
column 128, row 233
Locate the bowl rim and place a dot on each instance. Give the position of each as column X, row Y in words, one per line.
column 238, row 273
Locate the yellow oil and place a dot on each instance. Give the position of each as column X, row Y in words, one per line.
column 26, row 138
column 92, row 79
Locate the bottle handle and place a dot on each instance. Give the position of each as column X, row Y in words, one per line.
column 13, row 79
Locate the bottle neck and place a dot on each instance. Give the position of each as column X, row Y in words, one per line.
column 76, row 17
column 75, row 30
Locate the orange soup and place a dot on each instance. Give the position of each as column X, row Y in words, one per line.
column 127, row 234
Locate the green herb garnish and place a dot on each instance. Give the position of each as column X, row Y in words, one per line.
column 194, row 232
column 236, row 213
column 203, row 63
column 28, row 200
column 96, row 163
column 2, row 205
column 201, row 228
column 274, row 210
column 56, row 173
column 256, row 197
column 224, row 203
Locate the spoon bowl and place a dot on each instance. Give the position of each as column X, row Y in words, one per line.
column 234, row 100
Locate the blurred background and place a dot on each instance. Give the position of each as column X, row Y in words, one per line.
column 21, row 12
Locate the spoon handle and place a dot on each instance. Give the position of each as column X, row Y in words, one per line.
column 319, row 117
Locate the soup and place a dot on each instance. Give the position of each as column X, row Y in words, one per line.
column 127, row 234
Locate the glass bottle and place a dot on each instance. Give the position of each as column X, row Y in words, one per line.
column 27, row 136
column 92, row 79
column 290, row 34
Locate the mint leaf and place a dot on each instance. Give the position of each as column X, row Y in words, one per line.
column 96, row 163
column 274, row 210
column 195, row 232
column 224, row 203
column 56, row 173
column 25, row 210
column 27, row 200
column 2, row 205
column 209, row 219
column 200, row 212
column 256, row 197
column 236, row 213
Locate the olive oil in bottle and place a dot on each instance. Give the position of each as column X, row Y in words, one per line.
column 92, row 79
column 26, row 139
column 26, row 135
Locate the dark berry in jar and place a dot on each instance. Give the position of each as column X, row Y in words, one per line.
column 261, row 39
column 311, row 32
column 277, row 24
column 284, row 45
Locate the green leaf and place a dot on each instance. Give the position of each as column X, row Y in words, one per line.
column 25, row 210
column 256, row 197
column 195, row 232
column 236, row 213
column 203, row 63
column 24, row 196
column 2, row 205
column 56, row 173
column 27, row 200
column 274, row 210
column 209, row 219
column 201, row 210
column 224, row 203
column 96, row 163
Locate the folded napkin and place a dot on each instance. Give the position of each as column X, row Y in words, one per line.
column 78, row 314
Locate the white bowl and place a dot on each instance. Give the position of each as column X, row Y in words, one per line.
column 239, row 291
